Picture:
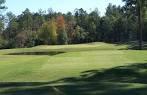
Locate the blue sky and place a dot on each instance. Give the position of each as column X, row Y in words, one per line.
column 17, row 6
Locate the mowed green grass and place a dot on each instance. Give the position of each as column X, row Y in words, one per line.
column 84, row 69
column 74, row 60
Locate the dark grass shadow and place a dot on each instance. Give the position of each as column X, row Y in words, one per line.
column 135, row 45
column 132, row 45
column 122, row 80
column 127, row 74
column 51, row 53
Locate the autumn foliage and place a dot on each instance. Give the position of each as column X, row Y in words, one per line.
column 62, row 34
column 60, row 22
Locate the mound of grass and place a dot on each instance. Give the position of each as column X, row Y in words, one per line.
column 68, row 48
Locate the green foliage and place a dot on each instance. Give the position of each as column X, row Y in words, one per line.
column 26, row 20
column 3, row 42
column 53, row 32
column 12, row 28
column 1, row 26
column 48, row 32
column 79, row 35
column 1, row 16
column 21, row 39
column 62, row 37
column 138, row 8
column 1, row 4
column 32, row 37
column 38, row 20
column 45, row 33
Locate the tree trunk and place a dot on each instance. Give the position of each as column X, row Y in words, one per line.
column 140, row 23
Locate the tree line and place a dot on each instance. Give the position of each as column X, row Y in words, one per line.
column 118, row 25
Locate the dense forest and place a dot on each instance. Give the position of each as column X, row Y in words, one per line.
column 118, row 25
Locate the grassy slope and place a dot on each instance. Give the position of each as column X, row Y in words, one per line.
column 82, row 70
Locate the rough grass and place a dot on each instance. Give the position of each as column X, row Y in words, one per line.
column 84, row 69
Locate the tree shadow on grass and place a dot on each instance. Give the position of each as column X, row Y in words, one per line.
column 122, row 80
column 135, row 46
column 51, row 53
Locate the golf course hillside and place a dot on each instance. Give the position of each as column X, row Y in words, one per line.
column 83, row 69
